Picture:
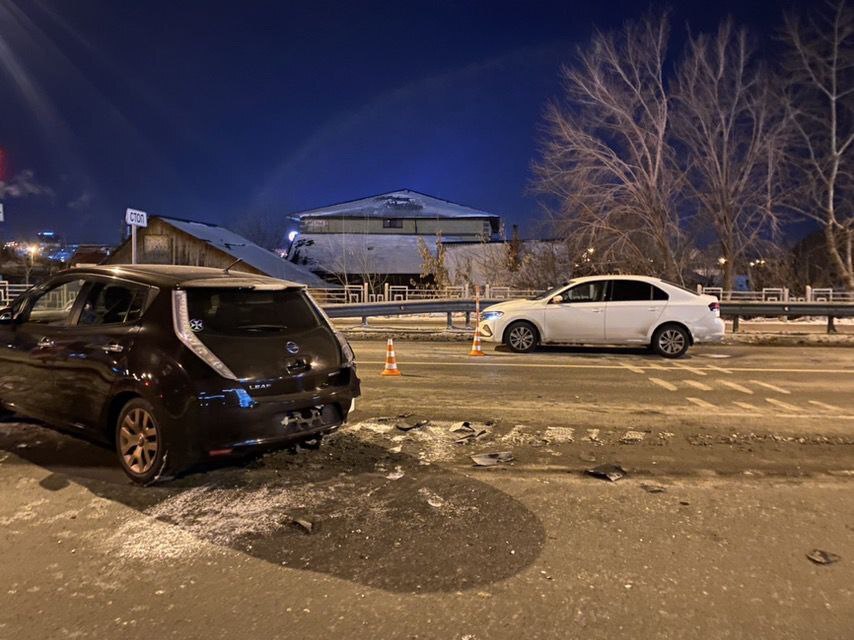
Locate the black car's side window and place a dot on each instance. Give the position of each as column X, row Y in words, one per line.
column 112, row 303
column 54, row 306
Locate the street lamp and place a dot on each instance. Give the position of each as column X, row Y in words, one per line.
column 32, row 251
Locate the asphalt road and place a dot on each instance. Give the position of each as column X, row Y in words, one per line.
column 739, row 462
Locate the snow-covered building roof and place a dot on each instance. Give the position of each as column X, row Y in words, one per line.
column 250, row 253
column 404, row 203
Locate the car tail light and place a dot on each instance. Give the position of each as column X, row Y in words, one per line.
column 181, row 321
column 715, row 307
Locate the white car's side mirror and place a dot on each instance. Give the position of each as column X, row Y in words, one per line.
column 556, row 300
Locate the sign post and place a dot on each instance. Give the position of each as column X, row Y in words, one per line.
column 135, row 219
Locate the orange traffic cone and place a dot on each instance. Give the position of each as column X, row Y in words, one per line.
column 390, row 361
column 475, row 345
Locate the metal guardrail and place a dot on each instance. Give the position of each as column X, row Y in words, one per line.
column 364, row 310
column 409, row 307
column 830, row 310
column 734, row 310
column 788, row 309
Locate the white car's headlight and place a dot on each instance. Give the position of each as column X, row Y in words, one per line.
column 492, row 315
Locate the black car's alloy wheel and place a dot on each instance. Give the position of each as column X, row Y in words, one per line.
column 671, row 341
column 139, row 442
column 521, row 337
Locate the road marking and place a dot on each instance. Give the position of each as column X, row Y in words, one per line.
column 783, row 405
column 773, row 387
column 658, row 367
column 697, row 385
column 632, row 368
column 746, row 405
column 663, row 383
column 693, row 370
column 525, row 408
column 824, row 405
column 548, row 365
column 737, row 387
column 717, row 368
column 701, row 403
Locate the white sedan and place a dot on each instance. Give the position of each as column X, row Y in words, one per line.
column 626, row 310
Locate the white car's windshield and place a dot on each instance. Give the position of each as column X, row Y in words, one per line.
column 552, row 292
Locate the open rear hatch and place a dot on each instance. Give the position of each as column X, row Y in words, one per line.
column 274, row 340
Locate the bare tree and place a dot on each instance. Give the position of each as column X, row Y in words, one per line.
column 544, row 264
column 821, row 102
column 607, row 160
column 351, row 258
column 433, row 266
column 730, row 130
column 267, row 229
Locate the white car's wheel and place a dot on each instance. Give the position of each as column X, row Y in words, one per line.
column 671, row 341
column 521, row 337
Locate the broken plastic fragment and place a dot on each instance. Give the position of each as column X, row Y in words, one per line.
column 462, row 427
column 823, row 557
column 470, row 437
column 491, row 459
column 306, row 525
column 612, row 472
column 409, row 424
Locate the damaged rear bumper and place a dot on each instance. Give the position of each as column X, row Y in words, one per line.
column 231, row 421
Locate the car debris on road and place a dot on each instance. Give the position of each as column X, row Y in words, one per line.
column 491, row 459
column 608, row 471
column 306, row 525
column 823, row 557
column 409, row 425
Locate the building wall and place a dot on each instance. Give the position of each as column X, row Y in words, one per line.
column 472, row 227
column 161, row 243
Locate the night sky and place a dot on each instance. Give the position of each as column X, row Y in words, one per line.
column 206, row 110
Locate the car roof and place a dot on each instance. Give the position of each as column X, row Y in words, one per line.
column 620, row 276
column 163, row 275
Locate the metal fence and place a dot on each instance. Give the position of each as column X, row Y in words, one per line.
column 729, row 309
column 362, row 294
column 780, row 294
column 9, row 291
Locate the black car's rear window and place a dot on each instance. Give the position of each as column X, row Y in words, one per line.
column 233, row 311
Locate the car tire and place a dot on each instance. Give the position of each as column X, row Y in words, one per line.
column 671, row 341
column 141, row 445
column 521, row 337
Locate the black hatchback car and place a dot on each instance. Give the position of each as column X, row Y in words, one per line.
column 175, row 365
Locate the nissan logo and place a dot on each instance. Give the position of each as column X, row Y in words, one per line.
column 292, row 348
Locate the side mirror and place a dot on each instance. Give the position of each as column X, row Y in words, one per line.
column 6, row 316
column 556, row 300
